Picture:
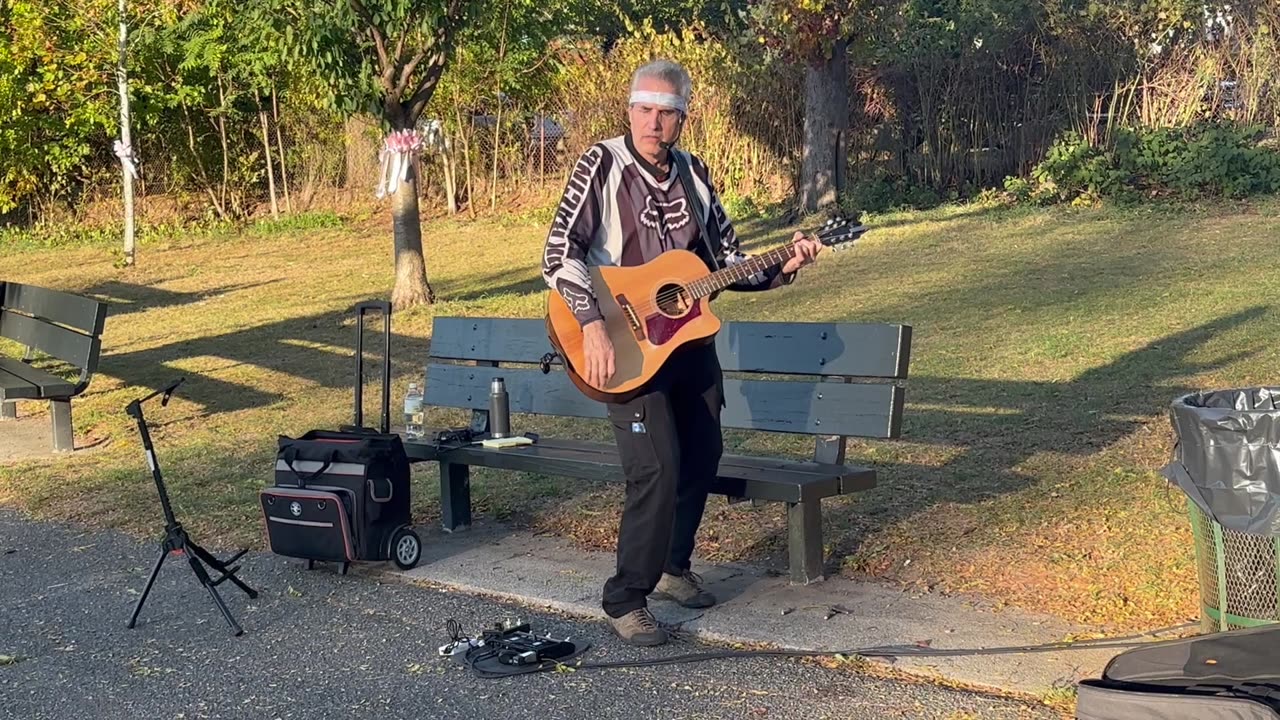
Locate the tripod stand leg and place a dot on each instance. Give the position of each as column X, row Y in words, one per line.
column 164, row 553
column 221, row 567
column 213, row 592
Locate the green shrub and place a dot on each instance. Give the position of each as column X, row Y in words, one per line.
column 1206, row 160
column 740, row 207
column 885, row 192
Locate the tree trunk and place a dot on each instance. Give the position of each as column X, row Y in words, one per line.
column 464, row 135
column 284, row 172
column 122, row 81
column 226, row 154
column 497, row 122
column 450, row 176
column 826, row 115
column 271, row 173
column 411, row 286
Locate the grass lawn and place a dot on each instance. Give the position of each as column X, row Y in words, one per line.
column 1047, row 345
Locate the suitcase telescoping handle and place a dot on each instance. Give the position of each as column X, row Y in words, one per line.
column 385, row 308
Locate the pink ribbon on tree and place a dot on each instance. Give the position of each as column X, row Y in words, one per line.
column 396, row 156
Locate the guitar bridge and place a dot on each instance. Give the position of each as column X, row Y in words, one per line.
column 632, row 318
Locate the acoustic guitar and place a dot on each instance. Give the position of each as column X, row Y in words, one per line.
column 653, row 309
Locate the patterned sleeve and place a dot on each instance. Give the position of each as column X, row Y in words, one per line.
column 573, row 228
column 731, row 255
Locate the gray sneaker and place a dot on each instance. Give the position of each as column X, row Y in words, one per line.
column 638, row 627
column 685, row 589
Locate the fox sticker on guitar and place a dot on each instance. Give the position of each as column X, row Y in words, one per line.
column 651, row 310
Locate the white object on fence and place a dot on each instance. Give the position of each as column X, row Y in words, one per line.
column 396, row 156
column 435, row 139
column 125, row 153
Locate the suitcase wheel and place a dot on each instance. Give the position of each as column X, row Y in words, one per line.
column 406, row 548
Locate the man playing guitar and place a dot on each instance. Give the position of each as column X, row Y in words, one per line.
column 624, row 205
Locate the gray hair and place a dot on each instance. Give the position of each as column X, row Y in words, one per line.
column 667, row 71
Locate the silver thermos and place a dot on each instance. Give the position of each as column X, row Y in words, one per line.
column 499, row 410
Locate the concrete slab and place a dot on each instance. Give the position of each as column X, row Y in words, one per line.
column 26, row 438
column 545, row 571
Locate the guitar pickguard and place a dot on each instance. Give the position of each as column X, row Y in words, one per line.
column 662, row 328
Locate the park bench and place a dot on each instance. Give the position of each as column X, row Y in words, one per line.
column 64, row 326
column 828, row 380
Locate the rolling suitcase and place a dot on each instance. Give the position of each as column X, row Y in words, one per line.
column 343, row 496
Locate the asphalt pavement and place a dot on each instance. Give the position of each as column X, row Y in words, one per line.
column 320, row 645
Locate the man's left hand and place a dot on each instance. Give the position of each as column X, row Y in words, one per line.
column 806, row 252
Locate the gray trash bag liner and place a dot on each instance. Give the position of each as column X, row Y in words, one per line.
column 1232, row 675
column 1227, row 458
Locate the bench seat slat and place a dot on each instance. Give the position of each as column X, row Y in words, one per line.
column 853, row 409
column 873, row 350
column 20, row 380
column 739, row 475
column 13, row 387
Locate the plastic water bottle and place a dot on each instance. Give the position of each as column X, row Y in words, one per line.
column 414, row 416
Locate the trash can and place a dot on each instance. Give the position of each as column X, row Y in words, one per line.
column 1227, row 462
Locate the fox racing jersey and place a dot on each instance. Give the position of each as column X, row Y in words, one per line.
column 619, row 209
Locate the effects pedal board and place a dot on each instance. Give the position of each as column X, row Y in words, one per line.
column 516, row 645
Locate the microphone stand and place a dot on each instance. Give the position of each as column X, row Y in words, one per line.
column 176, row 540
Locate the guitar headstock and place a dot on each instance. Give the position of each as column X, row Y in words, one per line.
column 838, row 233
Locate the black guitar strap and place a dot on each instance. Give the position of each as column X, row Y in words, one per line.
column 695, row 206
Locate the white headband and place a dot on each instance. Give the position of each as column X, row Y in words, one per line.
column 659, row 98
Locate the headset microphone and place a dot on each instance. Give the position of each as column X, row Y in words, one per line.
column 680, row 128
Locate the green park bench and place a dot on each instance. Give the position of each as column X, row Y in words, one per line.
column 828, row 380
column 64, row 326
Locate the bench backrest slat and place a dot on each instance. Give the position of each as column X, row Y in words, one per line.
column 829, row 408
column 75, row 311
column 62, row 343
column 871, row 350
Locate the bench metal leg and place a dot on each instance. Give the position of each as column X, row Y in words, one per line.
column 455, row 496
column 63, row 438
column 804, row 541
column 8, row 410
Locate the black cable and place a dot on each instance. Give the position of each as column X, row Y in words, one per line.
column 891, row 651
column 1124, row 641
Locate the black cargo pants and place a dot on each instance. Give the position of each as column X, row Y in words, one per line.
column 670, row 445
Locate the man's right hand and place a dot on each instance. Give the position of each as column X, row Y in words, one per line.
column 597, row 353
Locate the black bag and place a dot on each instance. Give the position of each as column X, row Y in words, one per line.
column 1226, row 676
column 344, row 496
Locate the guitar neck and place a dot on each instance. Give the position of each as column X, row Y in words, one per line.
column 724, row 277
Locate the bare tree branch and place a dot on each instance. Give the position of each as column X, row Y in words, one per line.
column 435, row 68
column 400, row 45
column 407, row 72
column 386, row 69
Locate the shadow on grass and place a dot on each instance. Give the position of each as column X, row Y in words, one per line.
column 126, row 298
column 998, row 425
column 504, row 283
column 316, row 349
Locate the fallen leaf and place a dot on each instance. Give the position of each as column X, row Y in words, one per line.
column 8, row 660
column 292, row 592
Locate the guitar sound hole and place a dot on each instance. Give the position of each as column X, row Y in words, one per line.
column 673, row 300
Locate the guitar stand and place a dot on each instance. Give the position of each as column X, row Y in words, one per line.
column 176, row 540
